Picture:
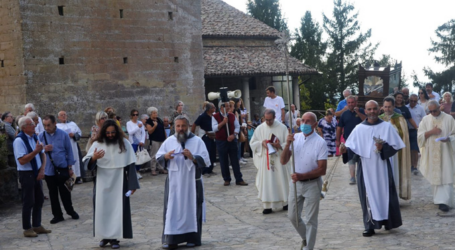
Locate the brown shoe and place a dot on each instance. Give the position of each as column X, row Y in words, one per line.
column 41, row 230
column 154, row 173
column 227, row 183
column 30, row 233
column 163, row 171
column 241, row 183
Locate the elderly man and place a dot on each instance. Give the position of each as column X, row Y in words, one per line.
column 310, row 158
column 348, row 121
column 275, row 102
column 31, row 164
column 7, row 119
column 186, row 156
column 75, row 133
column 400, row 162
column 157, row 135
column 405, row 92
column 272, row 178
column 29, row 107
column 436, row 131
column 226, row 128
column 343, row 105
column 59, row 162
column 295, row 114
column 375, row 142
column 204, row 121
column 433, row 95
column 417, row 113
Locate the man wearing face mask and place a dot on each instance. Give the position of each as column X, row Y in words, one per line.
column 186, row 156
column 310, row 158
column 348, row 121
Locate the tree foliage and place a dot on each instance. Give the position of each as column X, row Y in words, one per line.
column 269, row 12
column 349, row 46
column 444, row 46
column 442, row 81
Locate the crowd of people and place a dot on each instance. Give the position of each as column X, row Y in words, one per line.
column 384, row 147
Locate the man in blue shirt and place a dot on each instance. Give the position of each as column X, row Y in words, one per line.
column 342, row 105
column 348, row 121
column 31, row 162
column 60, row 159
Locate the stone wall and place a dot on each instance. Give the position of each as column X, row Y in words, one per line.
column 12, row 80
column 83, row 56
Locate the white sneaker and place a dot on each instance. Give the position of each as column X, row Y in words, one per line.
column 244, row 160
column 139, row 176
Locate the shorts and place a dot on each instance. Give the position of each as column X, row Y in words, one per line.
column 413, row 139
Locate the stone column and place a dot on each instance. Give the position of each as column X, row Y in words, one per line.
column 246, row 95
column 296, row 91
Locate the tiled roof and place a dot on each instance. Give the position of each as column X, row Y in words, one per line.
column 244, row 61
column 221, row 19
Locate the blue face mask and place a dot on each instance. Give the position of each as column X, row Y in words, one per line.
column 306, row 128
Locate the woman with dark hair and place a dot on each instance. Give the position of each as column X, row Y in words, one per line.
column 112, row 157
column 136, row 133
column 423, row 99
column 327, row 128
column 399, row 104
column 178, row 111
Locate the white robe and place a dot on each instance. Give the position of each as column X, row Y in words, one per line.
column 273, row 186
column 109, row 188
column 437, row 158
column 375, row 175
column 71, row 127
column 181, row 216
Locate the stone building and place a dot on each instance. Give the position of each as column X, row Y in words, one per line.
column 83, row 56
column 240, row 53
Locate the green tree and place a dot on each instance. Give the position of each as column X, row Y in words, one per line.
column 349, row 46
column 416, row 82
column 269, row 12
column 444, row 46
column 442, row 81
column 310, row 49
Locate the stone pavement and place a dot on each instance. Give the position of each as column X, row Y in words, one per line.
column 235, row 219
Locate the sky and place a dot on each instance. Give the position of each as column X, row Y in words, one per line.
column 402, row 27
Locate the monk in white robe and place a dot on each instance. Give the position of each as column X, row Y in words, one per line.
column 377, row 192
column 437, row 161
column 75, row 134
column 115, row 170
column 272, row 178
column 185, row 156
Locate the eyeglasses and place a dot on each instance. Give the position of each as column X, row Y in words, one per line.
column 103, row 118
column 111, row 133
column 433, row 111
column 412, row 100
column 135, row 114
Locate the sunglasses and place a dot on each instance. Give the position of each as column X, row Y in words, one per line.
column 433, row 111
column 135, row 114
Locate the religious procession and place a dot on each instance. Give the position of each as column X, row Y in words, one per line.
column 217, row 131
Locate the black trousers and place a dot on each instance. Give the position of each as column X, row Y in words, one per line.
column 56, row 185
column 32, row 199
column 211, row 148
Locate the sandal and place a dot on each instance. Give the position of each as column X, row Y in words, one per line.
column 115, row 244
column 103, row 243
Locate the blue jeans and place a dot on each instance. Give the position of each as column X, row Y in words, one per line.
column 228, row 151
column 135, row 147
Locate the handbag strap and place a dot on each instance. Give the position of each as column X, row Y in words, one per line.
column 48, row 153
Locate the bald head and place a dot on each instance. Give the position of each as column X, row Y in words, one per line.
column 372, row 111
column 309, row 119
column 309, row 116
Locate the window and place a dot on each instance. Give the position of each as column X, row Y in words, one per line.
column 125, row 60
column 281, row 88
column 121, row 13
column 61, row 60
column 60, row 10
column 170, row 16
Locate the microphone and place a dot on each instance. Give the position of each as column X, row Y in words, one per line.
column 183, row 147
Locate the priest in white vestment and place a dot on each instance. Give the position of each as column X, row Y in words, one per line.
column 112, row 158
column 75, row 134
column 437, row 162
column 185, row 156
column 377, row 192
column 272, row 178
